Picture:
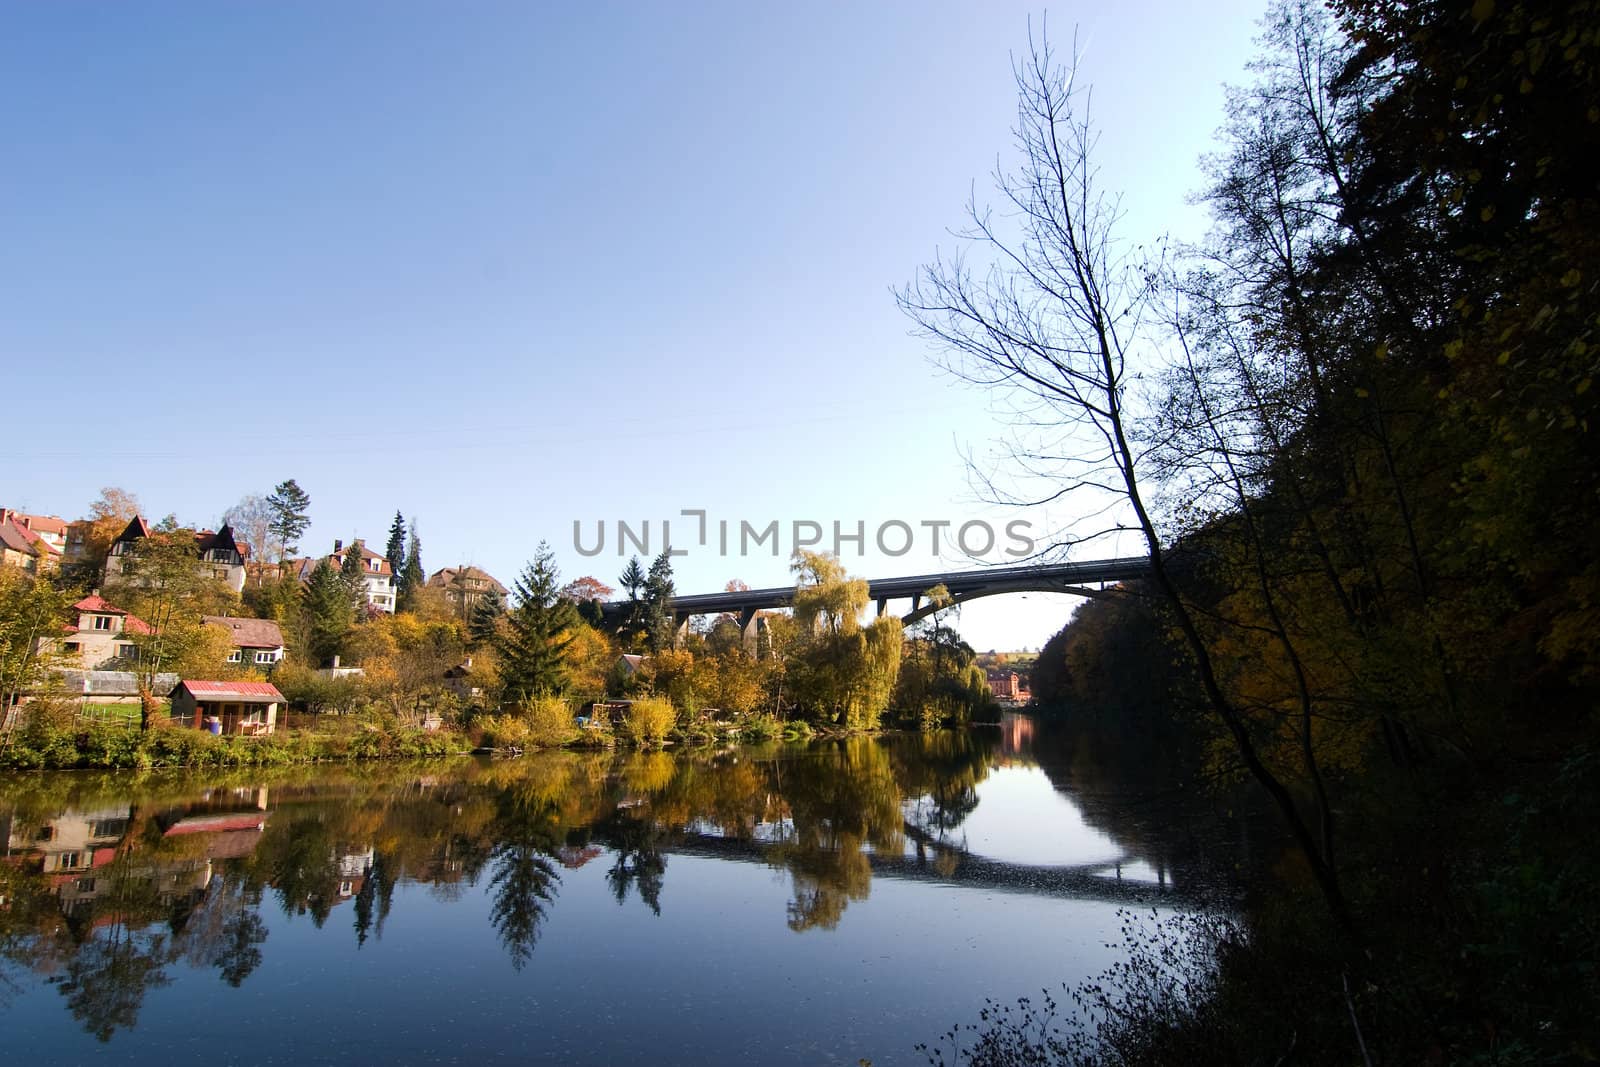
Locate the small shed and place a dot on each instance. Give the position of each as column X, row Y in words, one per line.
column 248, row 708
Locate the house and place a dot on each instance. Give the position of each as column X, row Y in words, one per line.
column 1008, row 686
column 220, row 556
column 24, row 547
column 460, row 680
column 52, row 530
column 102, row 633
column 377, row 572
column 466, row 587
column 248, row 708
column 256, row 642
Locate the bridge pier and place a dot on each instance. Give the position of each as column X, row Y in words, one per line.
column 750, row 623
column 883, row 606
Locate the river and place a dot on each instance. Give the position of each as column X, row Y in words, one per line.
column 804, row 904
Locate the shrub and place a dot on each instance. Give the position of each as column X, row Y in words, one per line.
column 550, row 721
column 760, row 728
column 504, row 731
column 649, row 719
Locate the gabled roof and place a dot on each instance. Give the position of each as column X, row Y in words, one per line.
column 136, row 529
column 18, row 539
column 49, row 524
column 206, row 541
column 95, row 604
column 249, row 692
column 248, row 633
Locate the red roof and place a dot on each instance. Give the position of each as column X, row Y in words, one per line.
column 99, row 605
column 253, row 689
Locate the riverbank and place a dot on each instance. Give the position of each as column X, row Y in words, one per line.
column 116, row 747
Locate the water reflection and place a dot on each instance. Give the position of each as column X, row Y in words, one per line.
column 113, row 886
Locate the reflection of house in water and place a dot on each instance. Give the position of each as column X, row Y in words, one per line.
column 78, row 853
column 353, row 870
column 72, row 850
column 1016, row 735
column 229, row 823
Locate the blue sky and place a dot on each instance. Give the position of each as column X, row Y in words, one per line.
column 504, row 266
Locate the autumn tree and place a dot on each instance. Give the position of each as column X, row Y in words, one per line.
column 31, row 609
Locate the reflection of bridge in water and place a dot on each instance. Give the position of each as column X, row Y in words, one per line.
column 1090, row 881
column 1075, row 578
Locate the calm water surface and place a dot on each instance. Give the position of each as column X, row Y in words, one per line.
column 764, row 905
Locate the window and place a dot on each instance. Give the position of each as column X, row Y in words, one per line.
column 263, row 657
column 102, row 622
column 86, row 885
column 73, row 646
column 108, row 827
column 69, row 861
column 236, row 656
column 126, row 651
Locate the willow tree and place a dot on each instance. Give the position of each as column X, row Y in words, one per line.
column 838, row 669
column 1044, row 304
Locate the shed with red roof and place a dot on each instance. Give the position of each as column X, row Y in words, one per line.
column 248, row 708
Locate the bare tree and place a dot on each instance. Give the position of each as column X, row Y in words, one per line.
column 1057, row 318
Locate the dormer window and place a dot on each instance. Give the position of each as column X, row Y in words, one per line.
column 102, row 622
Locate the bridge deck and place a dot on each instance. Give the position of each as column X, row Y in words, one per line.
column 1032, row 577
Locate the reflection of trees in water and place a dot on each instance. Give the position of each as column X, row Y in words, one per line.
column 108, row 976
column 1150, row 805
column 334, row 835
column 841, row 798
column 638, row 862
column 225, row 931
column 522, row 886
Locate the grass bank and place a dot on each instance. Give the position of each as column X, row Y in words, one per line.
column 112, row 747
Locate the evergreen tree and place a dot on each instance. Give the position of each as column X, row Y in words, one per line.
column 483, row 623
column 533, row 644
column 395, row 550
column 289, row 504
column 411, row 577
column 632, row 581
column 353, row 576
column 658, row 591
column 326, row 603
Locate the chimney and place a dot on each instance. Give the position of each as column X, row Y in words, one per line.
column 338, row 546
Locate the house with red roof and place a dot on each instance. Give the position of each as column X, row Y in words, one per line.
column 50, row 528
column 247, row 708
column 100, row 637
column 21, row 545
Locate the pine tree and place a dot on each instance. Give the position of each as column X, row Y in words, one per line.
column 289, row 504
column 533, row 643
column 353, row 576
column 326, row 603
column 395, row 550
column 412, row 577
column 658, row 591
column 483, row 623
